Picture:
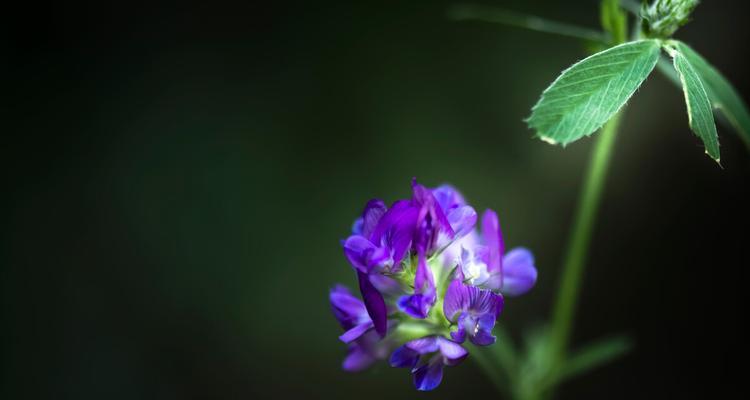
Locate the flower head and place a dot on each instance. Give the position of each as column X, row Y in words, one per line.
column 428, row 280
column 662, row 18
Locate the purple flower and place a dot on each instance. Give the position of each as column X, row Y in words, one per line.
column 426, row 358
column 365, row 346
column 473, row 310
column 406, row 257
column 485, row 265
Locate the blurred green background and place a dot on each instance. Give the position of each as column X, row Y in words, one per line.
column 179, row 177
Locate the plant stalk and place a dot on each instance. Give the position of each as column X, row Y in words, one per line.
column 490, row 369
column 476, row 12
column 580, row 239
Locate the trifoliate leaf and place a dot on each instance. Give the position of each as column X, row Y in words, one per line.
column 590, row 92
column 700, row 115
column 721, row 93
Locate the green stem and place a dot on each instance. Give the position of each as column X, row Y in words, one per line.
column 490, row 369
column 590, row 196
column 632, row 6
column 462, row 12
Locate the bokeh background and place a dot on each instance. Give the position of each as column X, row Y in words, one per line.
column 178, row 178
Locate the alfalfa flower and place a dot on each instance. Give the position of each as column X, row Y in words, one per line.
column 428, row 282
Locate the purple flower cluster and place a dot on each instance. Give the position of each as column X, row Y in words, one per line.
column 429, row 281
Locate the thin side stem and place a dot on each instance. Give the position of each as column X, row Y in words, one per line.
column 475, row 12
column 575, row 259
column 490, row 369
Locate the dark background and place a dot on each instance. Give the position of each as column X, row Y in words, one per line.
column 178, row 178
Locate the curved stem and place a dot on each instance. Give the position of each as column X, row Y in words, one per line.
column 476, row 12
column 580, row 238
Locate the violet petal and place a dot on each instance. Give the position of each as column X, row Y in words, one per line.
column 483, row 332
column 396, row 229
column 493, row 239
column 456, row 300
column 404, row 357
column 453, row 353
column 357, row 359
column 355, row 332
column 373, row 212
column 428, row 376
column 519, row 273
column 462, row 220
column 424, row 345
column 357, row 250
column 448, row 197
column 347, row 308
column 374, row 303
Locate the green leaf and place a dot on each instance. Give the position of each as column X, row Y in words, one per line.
column 700, row 115
column 667, row 69
column 594, row 355
column 590, row 92
column 723, row 96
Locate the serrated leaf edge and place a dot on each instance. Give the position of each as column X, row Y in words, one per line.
column 552, row 141
column 674, row 53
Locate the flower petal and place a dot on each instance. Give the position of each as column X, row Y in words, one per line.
column 483, row 331
column 453, row 353
column 424, row 282
column 357, row 359
column 357, row 226
column 448, row 197
column 462, row 220
column 385, row 284
column 396, row 229
column 460, row 297
column 418, row 305
column 451, row 256
column 355, row 332
column 457, row 300
column 485, row 302
column 431, row 221
column 428, row 376
column 373, row 212
column 404, row 357
column 347, row 308
column 493, row 239
column 374, row 303
column 519, row 273
column 357, row 249
column 459, row 335
column 425, row 345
